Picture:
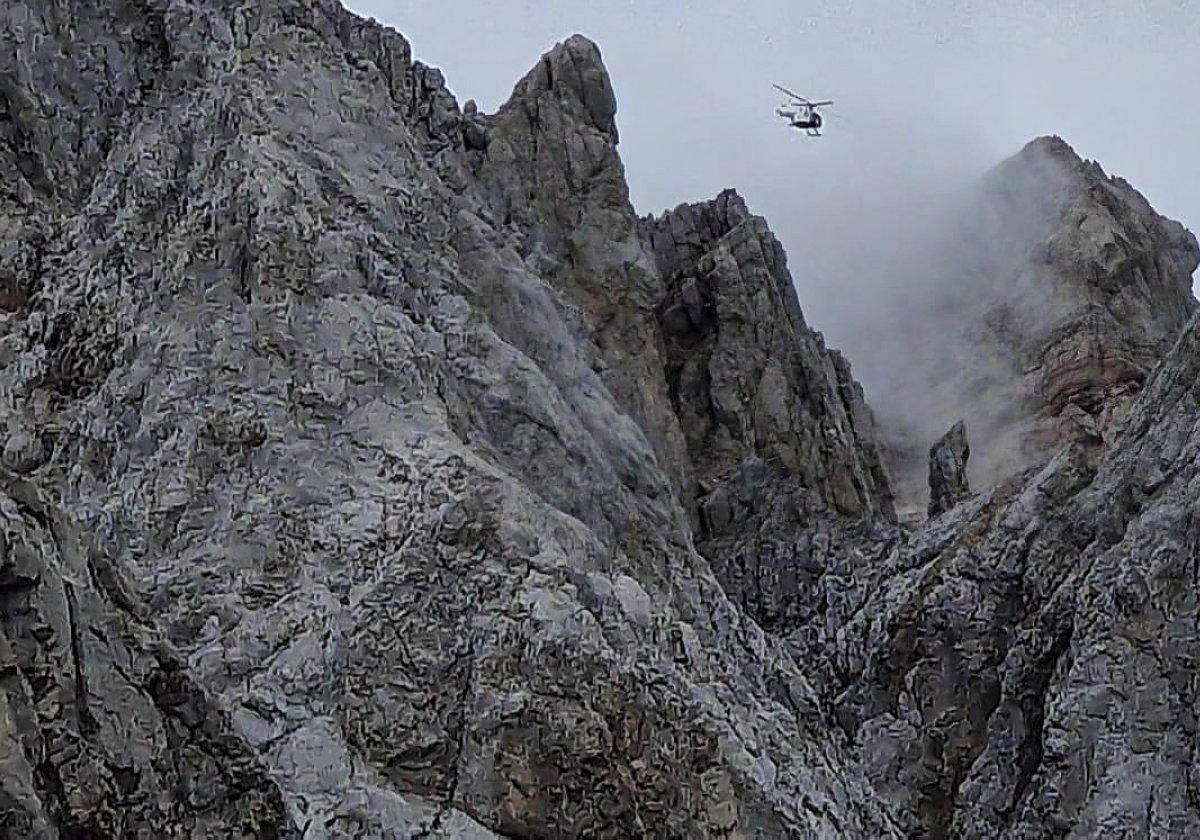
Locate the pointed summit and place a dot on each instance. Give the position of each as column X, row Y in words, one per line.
column 573, row 73
column 1052, row 145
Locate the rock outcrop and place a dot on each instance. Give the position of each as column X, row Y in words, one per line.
column 748, row 378
column 1099, row 301
column 365, row 399
column 1058, row 293
column 780, row 441
column 369, row 469
column 550, row 169
column 948, row 484
column 1024, row 665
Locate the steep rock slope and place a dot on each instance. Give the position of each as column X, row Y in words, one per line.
column 1059, row 291
column 98, row 717
column 1112, row 285
column 370, row 469
column 1022, row 664
column 1025, row 665
column 748, row 377
column 369, row 452
column 699, row 333
column 780, row 440
column 548, row 165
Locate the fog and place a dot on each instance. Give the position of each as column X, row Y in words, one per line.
column 928, row 96
column 948, row 316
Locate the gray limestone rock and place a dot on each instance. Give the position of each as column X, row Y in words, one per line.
column 380, row 452
column 1020, row 667
column 1112, row 281
column 104, row 730
column 747, row 376
column 372, row 471
column 780, row 440
column 551, row 171
column 948, row 457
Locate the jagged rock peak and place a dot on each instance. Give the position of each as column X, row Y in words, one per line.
column 1053, row 145
column 1053, row 152
column 717, row 216
column 369, row 410
column 780, row 440
column 747, row 374
column 574, row 72
column 682, row 237
column 1106, row 290
column 948, row 457
column 1067, row 288
column 358, row 438
column 1073, row 584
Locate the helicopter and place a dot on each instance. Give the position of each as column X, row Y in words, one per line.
column 802, row 113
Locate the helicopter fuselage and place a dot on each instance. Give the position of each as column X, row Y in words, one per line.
column 811, row 120
column 804, row 118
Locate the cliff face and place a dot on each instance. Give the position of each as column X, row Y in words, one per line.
column 748, row 378
column 364, row 401
column 1112, row 281
column 370, row 469
column 1024, row 666
column 780, row 441
column 1061, row 290
column 548, row 167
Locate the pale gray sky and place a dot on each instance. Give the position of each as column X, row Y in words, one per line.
column 931, row 94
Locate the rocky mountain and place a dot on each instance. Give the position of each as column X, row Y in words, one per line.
column 1024, row 665
column 370, row 469
column 361, row 402
column 1112, row 287
column 1058, row 291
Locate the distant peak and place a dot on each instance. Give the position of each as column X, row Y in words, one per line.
column 578, row 50
column 730, row 195
column 1051, row 144
column 1049, row 161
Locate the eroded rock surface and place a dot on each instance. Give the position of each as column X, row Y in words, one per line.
column 380, row 446
column 1023, row 666
column 551, row 170
column 780, row 441
column 104, row 732
column 748, row 377
column 948, row 483
column 370, row 470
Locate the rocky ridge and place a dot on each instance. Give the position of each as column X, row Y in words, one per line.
column 1113, row 283
column 1057, row 295
column 357, row 438
column 372, row 470
column 1023, row 666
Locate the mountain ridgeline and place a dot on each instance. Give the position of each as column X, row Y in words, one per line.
column 370, row 469
column 1054, row 292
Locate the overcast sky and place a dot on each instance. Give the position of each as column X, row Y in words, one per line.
column 930, row 94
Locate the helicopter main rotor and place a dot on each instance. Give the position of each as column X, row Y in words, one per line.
column 800, row 100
